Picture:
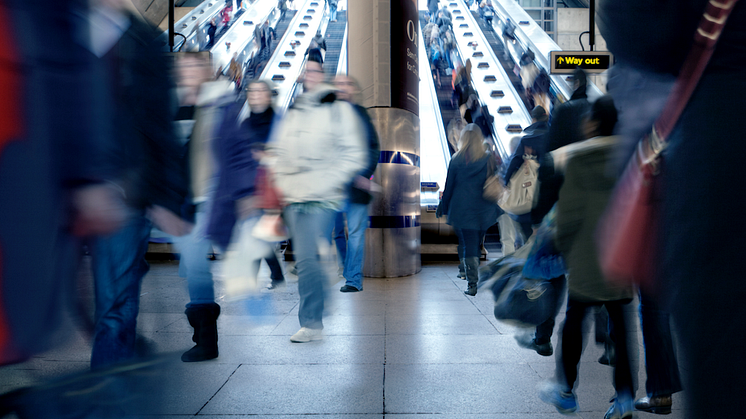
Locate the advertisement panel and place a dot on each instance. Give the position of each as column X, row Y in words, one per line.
column 405, row 79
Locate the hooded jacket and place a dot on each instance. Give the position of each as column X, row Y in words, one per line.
column 583, row 198
column 462, row 197
column 317, row 149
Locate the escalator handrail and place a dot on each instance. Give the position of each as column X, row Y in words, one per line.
column 284, row 102
column 438, row 116
column 342, row 63
column 516, row 13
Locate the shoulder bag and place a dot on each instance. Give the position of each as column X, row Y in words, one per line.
column 627, row 231
column 521, row 194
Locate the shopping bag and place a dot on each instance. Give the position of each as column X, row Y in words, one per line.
column 241, row 262
column 525, row 302
column 519, row 301
column 270, row 228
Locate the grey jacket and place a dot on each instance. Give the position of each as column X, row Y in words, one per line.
column 317, row 148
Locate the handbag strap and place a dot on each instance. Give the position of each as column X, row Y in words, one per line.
column 708, row 32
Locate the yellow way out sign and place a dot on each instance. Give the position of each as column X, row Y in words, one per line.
column 564, row 62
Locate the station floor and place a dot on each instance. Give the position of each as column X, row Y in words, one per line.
column 410, row 348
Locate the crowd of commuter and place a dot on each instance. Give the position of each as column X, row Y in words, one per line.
column 109, row 156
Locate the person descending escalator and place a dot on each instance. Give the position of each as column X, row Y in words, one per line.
column 487, row 13
column 211, row 31
column 318, row 42
column 282, row 6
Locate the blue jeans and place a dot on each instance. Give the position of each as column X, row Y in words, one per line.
column 118, row 268
column 332, row 12
column 357, row 223
column 660, row 357
column 337, row 228
column 194, row 265
column 308, row 225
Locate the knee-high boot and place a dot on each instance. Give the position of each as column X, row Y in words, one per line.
column 203, row 318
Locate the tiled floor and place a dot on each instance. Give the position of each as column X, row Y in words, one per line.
column 413, row 347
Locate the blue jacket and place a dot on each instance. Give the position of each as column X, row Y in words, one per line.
column 536, row 138
column 462, row 197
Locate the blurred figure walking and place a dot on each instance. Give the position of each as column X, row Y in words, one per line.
column 583, row 197
column 201, row 103
column 360, row 196
column 467, row 211
column 146, row 163
column 317, row 151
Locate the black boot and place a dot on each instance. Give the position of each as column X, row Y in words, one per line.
column 203, row 318
column 472, row 275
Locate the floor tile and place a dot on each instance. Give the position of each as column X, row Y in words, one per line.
column 301, row 389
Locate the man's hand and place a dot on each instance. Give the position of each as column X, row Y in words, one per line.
column 366, row 184
column 98, row 210
column 168, row 222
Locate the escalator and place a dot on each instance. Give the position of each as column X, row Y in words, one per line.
column 507, row 62
column 256, row 64
column 335, row 32
column 448, row 110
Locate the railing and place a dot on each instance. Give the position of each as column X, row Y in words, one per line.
column 528, row 35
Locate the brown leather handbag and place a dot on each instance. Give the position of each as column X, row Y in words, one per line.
column 627, row 232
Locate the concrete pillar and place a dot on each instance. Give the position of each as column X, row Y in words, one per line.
column 383, row 56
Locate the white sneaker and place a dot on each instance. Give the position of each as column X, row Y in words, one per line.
column 306, row 335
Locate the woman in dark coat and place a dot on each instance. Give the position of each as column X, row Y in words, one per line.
column 245, row 130
column 468, row 213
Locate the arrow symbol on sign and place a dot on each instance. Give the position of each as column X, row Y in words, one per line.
column 559, row 60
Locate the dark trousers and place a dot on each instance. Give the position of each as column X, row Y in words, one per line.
column 274, row 267
column 572, row 344
column 660, row 358
column 471, row 242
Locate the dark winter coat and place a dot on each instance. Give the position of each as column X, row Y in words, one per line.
column 358, row 196
column 567, row 120
column 146, row 155
column 432, row 7
column 237, row 166
column 701, row 232
column 462, row 198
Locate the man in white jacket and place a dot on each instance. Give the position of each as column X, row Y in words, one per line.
column 317, row 150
